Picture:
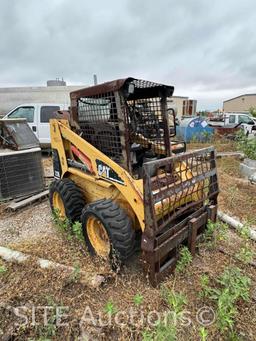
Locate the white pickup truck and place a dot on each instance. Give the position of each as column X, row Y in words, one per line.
column 246, row 121
column 37, row 115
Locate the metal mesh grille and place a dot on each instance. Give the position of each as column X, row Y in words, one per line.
column 148, row 132
column 146, row 124
column 129, row 125
column 20, row 174
column 98, row 120
column 178, row 185
column 140, row 83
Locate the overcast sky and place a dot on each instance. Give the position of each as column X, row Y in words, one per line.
column 206, row 49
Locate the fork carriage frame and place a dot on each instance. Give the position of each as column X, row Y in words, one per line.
column 187, row 219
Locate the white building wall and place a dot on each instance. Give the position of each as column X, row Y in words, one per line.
column 240, row 103
column 11, row 97
column 177, row 103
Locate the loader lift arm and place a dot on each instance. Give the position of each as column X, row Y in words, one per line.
column 102, row 167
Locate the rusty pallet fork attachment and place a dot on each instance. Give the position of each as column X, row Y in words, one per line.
column 178, row 202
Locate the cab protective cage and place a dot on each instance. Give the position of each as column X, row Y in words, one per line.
column 126, row 118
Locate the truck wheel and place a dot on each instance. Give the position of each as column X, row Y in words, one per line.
column 108, row 231
column 67, row 199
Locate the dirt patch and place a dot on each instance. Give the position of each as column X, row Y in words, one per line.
column 237, row 196
column 47, row 164
column 33, row 287
column 221, row 145
column 30, row 223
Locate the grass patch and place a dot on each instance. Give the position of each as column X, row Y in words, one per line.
column 184, row 261
column 73, row 230
column 3, row 269
column 138, row 299
column 110, row 308
column 232, row 286
column 166, row 329
column 215, row 232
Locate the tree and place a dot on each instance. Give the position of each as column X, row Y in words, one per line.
column 252, row 111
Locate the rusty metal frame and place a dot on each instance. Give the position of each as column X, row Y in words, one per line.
column 161, row 253
column 147, row 100
column 162, row 237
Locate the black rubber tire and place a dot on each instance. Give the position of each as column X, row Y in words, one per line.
column 118, row 226
column 71, row 196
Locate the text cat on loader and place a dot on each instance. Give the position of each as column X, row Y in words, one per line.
column 117, row 172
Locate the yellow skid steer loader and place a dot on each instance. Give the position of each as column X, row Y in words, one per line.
column 117, row 171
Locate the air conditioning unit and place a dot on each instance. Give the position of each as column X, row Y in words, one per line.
column 21, row 171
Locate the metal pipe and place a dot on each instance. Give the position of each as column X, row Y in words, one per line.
column 89, row 279
column 236, row 224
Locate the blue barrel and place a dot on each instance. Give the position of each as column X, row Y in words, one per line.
column 194, row 129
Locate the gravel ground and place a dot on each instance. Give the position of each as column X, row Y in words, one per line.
column 32, row 222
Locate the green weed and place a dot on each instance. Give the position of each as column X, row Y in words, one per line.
column 247, row 146
column 147, row 335
column 77, row 230
column 3, row 269
column 110, row 308
column 204, row 282
column 176, row 301
column 162, row 332
column 237, row 283
column 233, row 336
column 215, row 232
column 62, row 223
column 203, row 334
column 46, row 332
column 76, row 273
column 244, row 232
column 167, row 330
column 138, row 299
column 245, row 254
column 73, row 230
column 232, row 286
column 184, row 261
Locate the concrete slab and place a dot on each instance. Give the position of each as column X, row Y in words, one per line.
column 248, row 168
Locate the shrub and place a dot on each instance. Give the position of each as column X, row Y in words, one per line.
column 247, row 146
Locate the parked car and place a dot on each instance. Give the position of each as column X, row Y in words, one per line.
column 38, row 116
column 233, row 119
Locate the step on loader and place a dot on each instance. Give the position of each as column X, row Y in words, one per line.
column 119, row 171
